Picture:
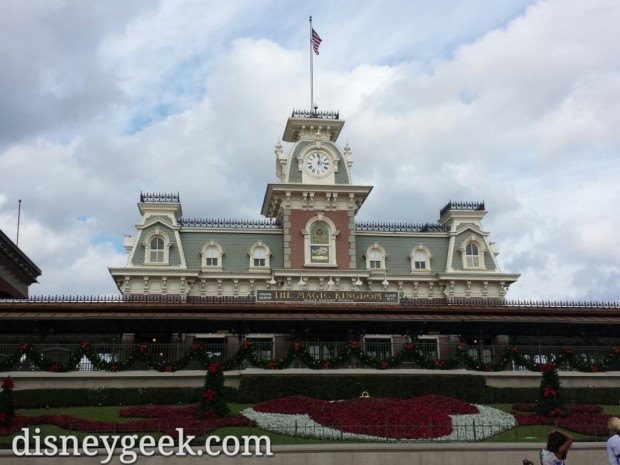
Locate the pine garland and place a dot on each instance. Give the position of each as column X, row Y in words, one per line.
column 212, row 403
column 550, row 401
column 409, row 352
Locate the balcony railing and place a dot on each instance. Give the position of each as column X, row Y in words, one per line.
column 163, row 354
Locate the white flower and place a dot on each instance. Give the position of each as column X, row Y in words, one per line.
column 470, row 427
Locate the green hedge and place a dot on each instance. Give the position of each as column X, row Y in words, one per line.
column 37, row 398
column 256, row 388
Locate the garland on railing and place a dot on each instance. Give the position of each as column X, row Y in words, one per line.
column 410, row 352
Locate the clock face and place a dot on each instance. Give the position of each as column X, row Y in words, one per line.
column 318, row 163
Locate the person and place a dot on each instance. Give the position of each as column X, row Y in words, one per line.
column 613, row 443
column 556, row 450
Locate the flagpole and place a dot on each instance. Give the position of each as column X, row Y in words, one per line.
column 311, row 71
column 19, row 214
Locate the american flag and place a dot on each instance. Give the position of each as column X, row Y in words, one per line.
column 316, row 41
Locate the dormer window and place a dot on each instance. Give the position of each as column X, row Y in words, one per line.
column 472, row 253
column 259, row 257
column 375, row 257
column 420, row 259
column 156, row 251
column 157, row 245
column 212, row 256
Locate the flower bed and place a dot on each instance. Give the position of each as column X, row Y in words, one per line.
column 163, row 419
column 423, row 418
column 581, row 418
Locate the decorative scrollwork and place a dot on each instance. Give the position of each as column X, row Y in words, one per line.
column 495, row 302
column 467, row 206
column 229, row 224
column 159, row 198
column 316, row 114
column 401, row 227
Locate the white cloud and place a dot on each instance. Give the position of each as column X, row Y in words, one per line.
column 505, row 103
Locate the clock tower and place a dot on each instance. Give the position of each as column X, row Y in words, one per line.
column 315, row 201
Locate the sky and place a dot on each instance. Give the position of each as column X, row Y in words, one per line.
column 514, row 103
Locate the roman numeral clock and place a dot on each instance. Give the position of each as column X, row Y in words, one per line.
column 318, row 163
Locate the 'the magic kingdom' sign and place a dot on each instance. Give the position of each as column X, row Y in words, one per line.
column 327, row 296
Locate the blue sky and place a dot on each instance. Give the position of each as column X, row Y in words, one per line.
column 515, row 103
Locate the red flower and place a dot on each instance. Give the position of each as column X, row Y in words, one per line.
column 209, row 394
column 556, row 412
column 514, row 350
column 84, row 345
column 383, row 365
column 409, row 346
column 438, row 363
column 210, row 414
column 462, row 345
column 326, row 365
column 488, row 368
column 142, row 348
column 8, row 384
column 246, row 344
column 54, row 367
column 547, row 367
column 114, row 368
column 23, row 347
column 594, row 369
column 352, row 344
column 195, row 347
column 550, row 392
column 616, row 350
column 296, row 346
column 566, row 349
column 272, row 365
column 169, row 368
column 214, row 368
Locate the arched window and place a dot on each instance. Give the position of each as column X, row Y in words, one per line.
column 375, row 257
column 156, row 252
column 212, row 255
column 472, row 255
column 259, row 256
column 320, row 242
column 157, row 246
column 472, row 252
column 420, row 259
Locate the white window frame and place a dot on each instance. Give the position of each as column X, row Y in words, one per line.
column 427, row 263
column 260, row 245
column 219, row 253
column 332, row 234
column 375, row 248
column 153, row 235
column 473, row 240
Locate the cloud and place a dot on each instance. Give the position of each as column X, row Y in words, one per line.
column 511, row 104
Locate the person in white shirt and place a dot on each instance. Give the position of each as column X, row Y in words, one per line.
column 613, row 443
column 558, row 443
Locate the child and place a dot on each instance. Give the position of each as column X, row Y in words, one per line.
column 557, row 448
